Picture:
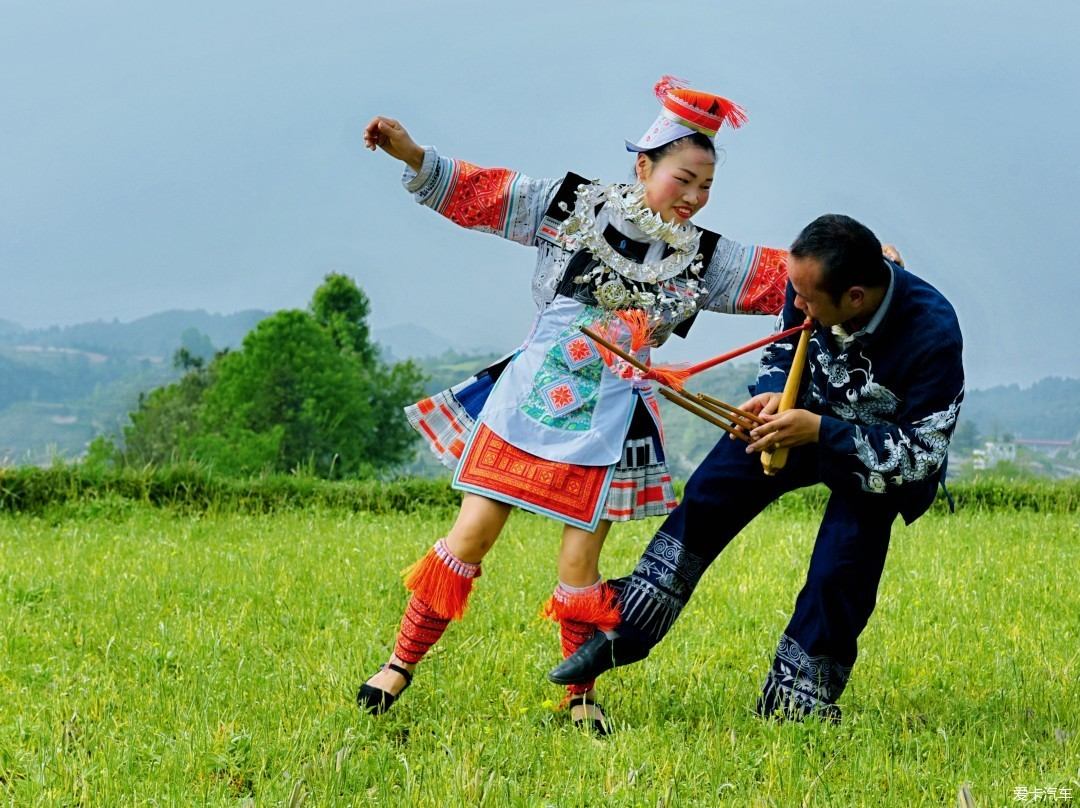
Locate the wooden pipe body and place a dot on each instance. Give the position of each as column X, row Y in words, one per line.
column 772, row 460
column 688, row 404
column 703, row 406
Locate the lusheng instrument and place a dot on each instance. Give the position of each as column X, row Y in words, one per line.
column 734, row 421
column 772, row 460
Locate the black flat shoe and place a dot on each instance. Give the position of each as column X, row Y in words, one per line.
column 597, row 726
column 377, row 701
column 596, row 655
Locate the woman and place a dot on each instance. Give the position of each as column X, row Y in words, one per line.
column 557, row 427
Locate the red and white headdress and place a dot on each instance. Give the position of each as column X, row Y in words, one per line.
column 684, row 111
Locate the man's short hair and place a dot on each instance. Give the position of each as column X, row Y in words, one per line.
column 849, row 252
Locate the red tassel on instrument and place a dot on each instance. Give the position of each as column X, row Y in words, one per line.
column 673, row 376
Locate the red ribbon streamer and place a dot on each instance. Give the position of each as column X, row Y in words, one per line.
column 664, row 373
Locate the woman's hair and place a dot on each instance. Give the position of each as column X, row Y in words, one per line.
column 693, row 139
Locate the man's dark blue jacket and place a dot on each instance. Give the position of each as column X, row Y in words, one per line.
column 889, row 394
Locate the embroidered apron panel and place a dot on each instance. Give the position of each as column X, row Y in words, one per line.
column 566, row 387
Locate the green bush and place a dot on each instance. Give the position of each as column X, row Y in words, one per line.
column 34, row 490
column 192, row 487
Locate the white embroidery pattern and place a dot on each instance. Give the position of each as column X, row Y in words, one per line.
column 913, row 455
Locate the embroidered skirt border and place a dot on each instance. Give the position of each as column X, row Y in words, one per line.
column 638, row 486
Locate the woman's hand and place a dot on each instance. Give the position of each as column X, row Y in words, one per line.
column 391, row 137
column 893, row 254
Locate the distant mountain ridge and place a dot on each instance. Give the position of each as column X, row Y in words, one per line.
column 154, row 335
column 8, row 327
column 158, row 335
column 1048, row 410
column 60, row 386
column 411, row 341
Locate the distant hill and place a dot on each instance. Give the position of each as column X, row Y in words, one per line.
column 61, row 386
column 1049, row 409
column 155, row 335
column 418, row 342
column 408, row 340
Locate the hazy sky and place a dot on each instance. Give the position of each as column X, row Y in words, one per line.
column 208, row 155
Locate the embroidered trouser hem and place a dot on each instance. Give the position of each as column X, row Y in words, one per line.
column 728, row 490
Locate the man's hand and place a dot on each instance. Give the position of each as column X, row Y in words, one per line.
column 761, row 404
column 785, row 430
column 391, row 137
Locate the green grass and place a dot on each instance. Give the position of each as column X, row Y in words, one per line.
column 156, row 657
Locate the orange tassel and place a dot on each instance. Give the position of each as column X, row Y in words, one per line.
column 670, row 376
column 605, row 328
column 733, row 115
column 436, row 583
column 598, row 608
column 637, row 323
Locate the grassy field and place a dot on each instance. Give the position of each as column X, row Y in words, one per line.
column 151, row 657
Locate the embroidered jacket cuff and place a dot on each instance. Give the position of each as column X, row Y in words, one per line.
column 835, row 435
column 836, row 444
column 414, row 181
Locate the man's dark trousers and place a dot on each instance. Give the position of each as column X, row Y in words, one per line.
column 818, row 648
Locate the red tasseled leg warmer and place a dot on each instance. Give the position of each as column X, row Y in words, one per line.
column 580, row 612
column 440, row 583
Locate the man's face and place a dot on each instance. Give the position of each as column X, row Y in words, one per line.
column 810, row 298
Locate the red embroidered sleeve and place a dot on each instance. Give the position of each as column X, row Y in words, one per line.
column 763, row 292
column 478, row 197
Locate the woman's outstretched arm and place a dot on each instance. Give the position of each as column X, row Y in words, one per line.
column 491, row 200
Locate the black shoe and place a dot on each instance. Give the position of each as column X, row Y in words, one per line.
column 377, row 701
column 597, row 726
column 596, row 655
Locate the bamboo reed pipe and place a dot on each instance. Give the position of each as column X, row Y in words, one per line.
column 772, row 460
column 701, row 412
column 699, row 408
column 749, row 416
column 734, row 419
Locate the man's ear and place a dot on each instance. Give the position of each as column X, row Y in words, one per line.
column 857, row 296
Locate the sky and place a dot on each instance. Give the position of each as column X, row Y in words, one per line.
column 208, row 155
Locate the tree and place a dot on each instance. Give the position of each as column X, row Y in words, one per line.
column 341, row 307
column 289, row 374
column 966, row 437
column 184, row 360
column 305, row 391
column 166, row 419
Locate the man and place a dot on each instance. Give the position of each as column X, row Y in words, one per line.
column 877, row 406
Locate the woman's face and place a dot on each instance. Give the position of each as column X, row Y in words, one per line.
column 677, row 185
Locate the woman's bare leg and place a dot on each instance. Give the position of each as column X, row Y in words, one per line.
column 478, row 524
